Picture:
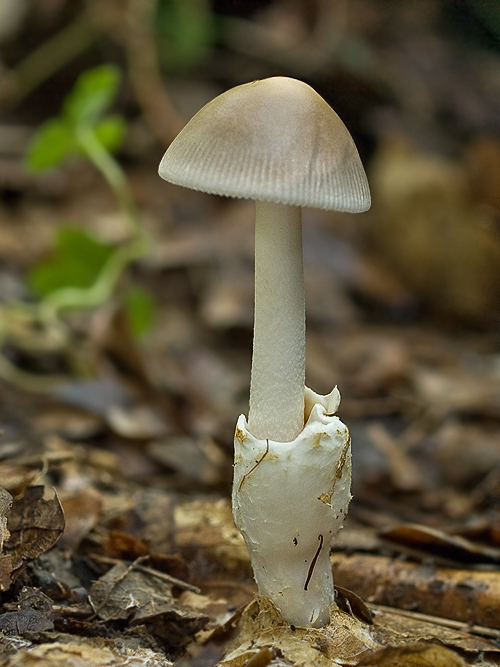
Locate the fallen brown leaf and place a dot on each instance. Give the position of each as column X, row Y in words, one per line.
column 35, row 525
column 413, row 655
column 125, row 593
column 83, row 655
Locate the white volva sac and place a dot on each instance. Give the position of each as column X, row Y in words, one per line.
column 289, row 500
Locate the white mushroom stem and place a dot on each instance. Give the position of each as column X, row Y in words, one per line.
column 278, row 364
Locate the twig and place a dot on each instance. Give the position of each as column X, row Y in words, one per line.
column 115, row 583
column 313, row 562
column 255, row 466
column 28, row 381
column 437, row 620
column 144, row 71
column 136, row 565
column 50, row 57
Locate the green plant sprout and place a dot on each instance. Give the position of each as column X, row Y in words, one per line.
column 84, row 273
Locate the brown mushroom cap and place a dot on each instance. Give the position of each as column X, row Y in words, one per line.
column 273, row 140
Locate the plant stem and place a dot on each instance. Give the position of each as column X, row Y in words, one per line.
column 112, row 172
column 101, row 291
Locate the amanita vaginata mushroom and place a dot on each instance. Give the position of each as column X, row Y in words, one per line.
column 278, row 142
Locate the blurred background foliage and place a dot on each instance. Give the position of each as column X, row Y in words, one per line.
column 417, row 83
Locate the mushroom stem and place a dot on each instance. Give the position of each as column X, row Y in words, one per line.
column 278, row 364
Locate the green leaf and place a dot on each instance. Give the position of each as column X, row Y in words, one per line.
column 92, row 94
column 139, row 308
column 110, row 132
column 53, row 143
column 77, row 260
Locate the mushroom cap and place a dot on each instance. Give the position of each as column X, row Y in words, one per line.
column 273, row 140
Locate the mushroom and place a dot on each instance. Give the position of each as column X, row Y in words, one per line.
column 278, row 142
